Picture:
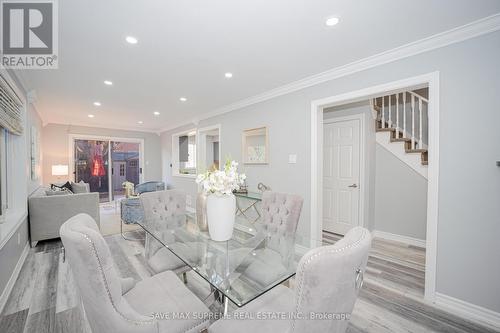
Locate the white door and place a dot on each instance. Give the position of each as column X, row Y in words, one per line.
column 341, row 168
column 119, row 175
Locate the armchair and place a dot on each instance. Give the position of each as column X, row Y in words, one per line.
column 328, row 281
column 151, row 186
column 130, row 207
column 160, row 211
column 113, row 304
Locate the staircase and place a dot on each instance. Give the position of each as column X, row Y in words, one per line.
column 401, row 125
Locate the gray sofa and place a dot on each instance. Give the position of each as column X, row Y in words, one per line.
column 48, row 213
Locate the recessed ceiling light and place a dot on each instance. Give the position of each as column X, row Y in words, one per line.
column 108, row 83
column 91, row 116
column 228, row 75
column 332, row 21
column 131, row 40
column 97, row 103
column 183, row 99
column 140, row 122
column 156, row 113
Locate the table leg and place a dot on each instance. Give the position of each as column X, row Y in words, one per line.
column 221, row 299
column 238, row 208
column 254, row 205
column 225, row 302
column 242, row 211
column 125, row 237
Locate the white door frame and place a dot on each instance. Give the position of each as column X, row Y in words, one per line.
column 202, row 143
column 362, row 171
column 317, row 107
column 71, row 154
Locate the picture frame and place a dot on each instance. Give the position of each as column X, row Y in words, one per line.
column 255, row 145
column 34, row 154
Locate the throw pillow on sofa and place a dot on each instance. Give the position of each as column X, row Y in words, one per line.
column 66, row 186
column 80, row 187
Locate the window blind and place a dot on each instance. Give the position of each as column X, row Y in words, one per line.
column 11, row 108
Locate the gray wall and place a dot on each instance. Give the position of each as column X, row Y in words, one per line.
column 400, row 197
column 12, row 249
column 56, row 140
column 469, row 183
column 11, row 252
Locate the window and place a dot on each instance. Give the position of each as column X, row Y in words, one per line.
column 184, row 153
column 122, row 170
column 11, row 111
column 13, row 156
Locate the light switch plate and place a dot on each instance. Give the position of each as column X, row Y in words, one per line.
column 292, row 158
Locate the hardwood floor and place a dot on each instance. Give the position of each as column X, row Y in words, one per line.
column 45, row 299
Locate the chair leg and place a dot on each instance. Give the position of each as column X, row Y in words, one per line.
column 125, row 237
column 184, row 278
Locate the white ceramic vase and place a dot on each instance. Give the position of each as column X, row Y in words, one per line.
column 220, row 215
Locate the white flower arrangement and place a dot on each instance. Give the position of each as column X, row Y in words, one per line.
column 221, row 182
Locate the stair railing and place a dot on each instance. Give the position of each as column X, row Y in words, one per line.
column 396, row 109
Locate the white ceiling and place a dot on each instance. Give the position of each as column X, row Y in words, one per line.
column 185, row 47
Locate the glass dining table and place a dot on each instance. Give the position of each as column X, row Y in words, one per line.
column 256, row 259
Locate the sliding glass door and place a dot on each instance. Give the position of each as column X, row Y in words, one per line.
column 125, row 165
column 92, row 166
column 106, row 165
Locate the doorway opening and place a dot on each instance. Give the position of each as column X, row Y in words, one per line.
column 333, row 205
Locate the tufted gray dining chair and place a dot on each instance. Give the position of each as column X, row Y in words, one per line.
column 327, row 283
column 113, row 304
column 280, row 216
column 163, row 210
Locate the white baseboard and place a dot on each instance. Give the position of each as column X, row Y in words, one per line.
column 468, row 311
column 13, row 277
column 399, row 238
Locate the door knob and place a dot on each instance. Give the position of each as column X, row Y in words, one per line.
column 353, row 186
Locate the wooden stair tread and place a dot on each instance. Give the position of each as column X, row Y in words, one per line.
column 412, row 151
column 387, row 129
column 400, row 140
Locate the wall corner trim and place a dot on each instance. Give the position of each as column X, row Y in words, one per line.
column 469, row 311
column 456, row 35
column 15, row 273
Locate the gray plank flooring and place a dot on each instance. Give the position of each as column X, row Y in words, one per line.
column 45, row 298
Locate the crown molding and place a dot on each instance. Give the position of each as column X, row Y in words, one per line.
column 104, row 127
column 456, row 35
